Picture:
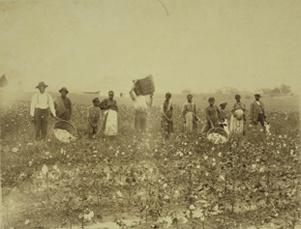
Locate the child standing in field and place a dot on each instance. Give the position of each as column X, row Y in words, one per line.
column 166, row 121
column 94, row 113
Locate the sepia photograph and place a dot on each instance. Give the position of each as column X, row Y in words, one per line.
column 150, row 114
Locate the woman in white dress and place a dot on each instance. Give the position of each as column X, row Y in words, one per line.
column 110, row 124
column 238, row 118
column 189, row 115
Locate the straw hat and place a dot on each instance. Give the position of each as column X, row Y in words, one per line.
column 42, row 84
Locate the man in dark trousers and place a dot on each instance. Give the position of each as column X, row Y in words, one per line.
column 41, row 103
column 63, row 105
column 257, row 111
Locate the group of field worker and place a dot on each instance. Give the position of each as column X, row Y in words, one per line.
column 216, row 117
column 42, row 105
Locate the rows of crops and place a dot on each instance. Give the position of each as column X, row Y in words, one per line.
column 183, row 183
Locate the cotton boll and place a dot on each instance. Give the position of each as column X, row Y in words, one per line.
column 64, row 136
column 15, row 150
column 191, row 207
column 44, row 169
column 27, row 222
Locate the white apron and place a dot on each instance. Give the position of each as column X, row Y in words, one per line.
column 236, row 126
column 111, row 123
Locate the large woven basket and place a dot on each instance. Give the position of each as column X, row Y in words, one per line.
column 145, row 86
column 64, row 125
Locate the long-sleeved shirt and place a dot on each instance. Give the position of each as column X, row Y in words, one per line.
column 42, row 101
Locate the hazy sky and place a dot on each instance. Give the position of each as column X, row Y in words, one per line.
column 104, row 44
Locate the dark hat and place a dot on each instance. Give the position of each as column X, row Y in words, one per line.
column 223, row 104
column 257, row 95
column 64, row 89
column 42, row 84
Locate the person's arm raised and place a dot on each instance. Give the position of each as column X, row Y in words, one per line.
column 132, row 94
column 150, row 100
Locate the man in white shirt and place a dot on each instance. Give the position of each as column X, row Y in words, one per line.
column 141, row 106
column 41, row 103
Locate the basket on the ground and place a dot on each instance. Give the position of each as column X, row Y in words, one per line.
column 145, row 86
column 64, row 131
column 217, row 135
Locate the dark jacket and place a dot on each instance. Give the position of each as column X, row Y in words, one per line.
column 63, row 108
column 255, row 110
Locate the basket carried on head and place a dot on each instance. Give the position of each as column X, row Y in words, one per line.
column 145, row 86
column 64, row 131
column 217, row 135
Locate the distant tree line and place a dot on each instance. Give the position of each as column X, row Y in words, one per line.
column 281, row 90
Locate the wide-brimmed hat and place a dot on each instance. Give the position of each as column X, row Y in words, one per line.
column 257, row 95
column 64, row 89
column 42, row 84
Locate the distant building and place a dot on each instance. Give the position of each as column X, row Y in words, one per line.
column 92, row 92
